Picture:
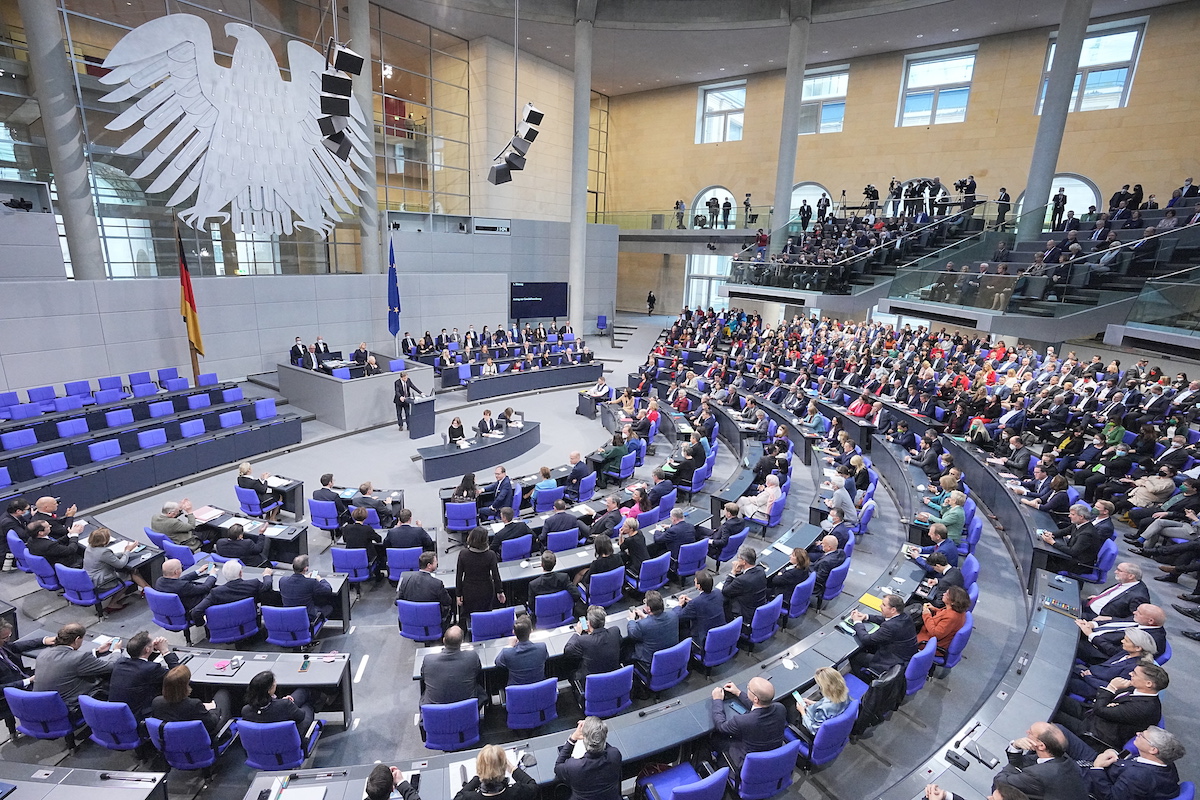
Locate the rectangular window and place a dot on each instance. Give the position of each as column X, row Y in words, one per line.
column 1105, row 69
column 936, row 89
column 823, row 102
column 722, row 112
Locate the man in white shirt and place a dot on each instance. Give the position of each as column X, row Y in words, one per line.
column 1118, row 600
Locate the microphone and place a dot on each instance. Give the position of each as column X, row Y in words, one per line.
column 106, row 776
column 974, row 727
column 660, row 708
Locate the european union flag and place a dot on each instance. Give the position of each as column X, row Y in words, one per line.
column 393, row 293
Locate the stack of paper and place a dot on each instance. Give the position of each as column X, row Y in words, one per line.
column 276, row 482
column 207, row 514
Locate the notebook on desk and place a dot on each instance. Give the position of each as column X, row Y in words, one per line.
column 207, row 513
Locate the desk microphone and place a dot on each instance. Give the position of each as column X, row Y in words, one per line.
column 106, row 776
column 298, row 777
column 962, row 738
column 660, row 708
column 1022, row 662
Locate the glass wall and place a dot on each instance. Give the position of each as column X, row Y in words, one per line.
column 419, row 117
column 598, row 158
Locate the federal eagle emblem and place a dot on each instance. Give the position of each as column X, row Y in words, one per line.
column 239, row 143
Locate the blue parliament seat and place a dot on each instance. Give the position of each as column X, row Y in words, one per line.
column 552, row 610
column 516, row 549
column 493, row 624
column 277, row 745
column 606, row 694
column 668, row 667
column 604, row 588
column 421, row 622
column 79, row 590
column 113, row 725
column 401, row 560
column 801, row 598
column 830, row 739
column 290, row 627
column 168, row 613
column 42, row 715
column 232, row 622
column 531, row 705
column 451, row 726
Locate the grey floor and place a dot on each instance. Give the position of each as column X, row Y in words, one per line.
column 385, row 696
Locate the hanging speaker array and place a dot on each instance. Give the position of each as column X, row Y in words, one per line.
column 513, row 158
column 337, row 86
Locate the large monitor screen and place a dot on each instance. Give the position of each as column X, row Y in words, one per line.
column 537, row 300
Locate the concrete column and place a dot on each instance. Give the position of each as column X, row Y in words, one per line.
column 789, row 129
column 54, row 88
column 580, row 124
column 1046, row 145
column 368, row 214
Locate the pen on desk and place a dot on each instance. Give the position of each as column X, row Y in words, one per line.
column 660, row 708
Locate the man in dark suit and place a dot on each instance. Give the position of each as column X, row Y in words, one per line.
column 513, row 529
column 660, row 489
column 70, row 669
column 486, row 424
column 1038, row 765
column 1118, row 600
column 895, row 641
column 57, row 551
column 422, row 586
column 595, row 649
column 941, row 545
column 598, row 773
column 1150, row 774
column 504, row 494
column 580, row 469
column 13, row 672
column 189, row 586
column 234, row 544
column 296, row 354
column 309, row 360
column 307, row 590
column 674, row 536
column 945, row 577
column 607, row 522
column 561, row 520
column 365, row 499
column 327, row 494
column 651, row 629
column 408, row 533
column 732, row 524
column 1103, row 639
column 404, row 390
column 550, row 582
column 1080, row 543
column 1121, row 709
column 831, row 557
column 746, row 587
column 233, row 589
column 452, row 675
column 758, row 730
column 525, row 661
column 701, row 613
column 838, row 529
column 137, row 680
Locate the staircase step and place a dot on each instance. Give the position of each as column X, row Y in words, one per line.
column 268, row 379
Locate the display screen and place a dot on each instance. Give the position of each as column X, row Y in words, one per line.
column 543, row 301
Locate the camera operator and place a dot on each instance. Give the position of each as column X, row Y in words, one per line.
column 872, row 196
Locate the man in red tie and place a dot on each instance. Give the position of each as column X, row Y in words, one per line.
column 1118, row 600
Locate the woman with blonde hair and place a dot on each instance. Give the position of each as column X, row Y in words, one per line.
column 835, row 698
column 491, row 778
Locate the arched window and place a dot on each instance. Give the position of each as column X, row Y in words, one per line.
column 806, row 190
column 1080, row 192
column 699, row 209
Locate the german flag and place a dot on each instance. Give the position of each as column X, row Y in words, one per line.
column 187, row 301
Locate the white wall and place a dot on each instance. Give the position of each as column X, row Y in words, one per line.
column 62, row 330
column 29, row 241
column 543, row 189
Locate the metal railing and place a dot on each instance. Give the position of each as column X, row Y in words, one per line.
column 670, row 219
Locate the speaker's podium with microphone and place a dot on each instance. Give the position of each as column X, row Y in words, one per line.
column 420, row 417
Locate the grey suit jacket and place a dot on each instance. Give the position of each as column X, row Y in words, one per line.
column 70, row 672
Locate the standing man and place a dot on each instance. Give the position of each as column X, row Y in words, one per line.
column 747, row 206
column 726, row 207
column 406, row 390
column 1058, row 205
column 806, row 213
column 714, row 208
column 1003, row 204
column 650, row 301
column 422, row 586
column 822, row 207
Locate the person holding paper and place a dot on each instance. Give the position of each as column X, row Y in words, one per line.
column 266, row 495
column 108, row 568
column 594, row 774
column 491, row 779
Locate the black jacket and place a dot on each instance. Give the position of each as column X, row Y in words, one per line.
column 136, row 682
column 1057, row 779
column 596, row 776
column 745, row 593
column 894, row 643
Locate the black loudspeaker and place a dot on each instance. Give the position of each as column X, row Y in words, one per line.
column 335, row 106
column 532, row 115
column 499, row 173
column 335, row 83
column 339, row 145
column 515, row 161
column 332, row 125
column 347, row 60
column 520, row 145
